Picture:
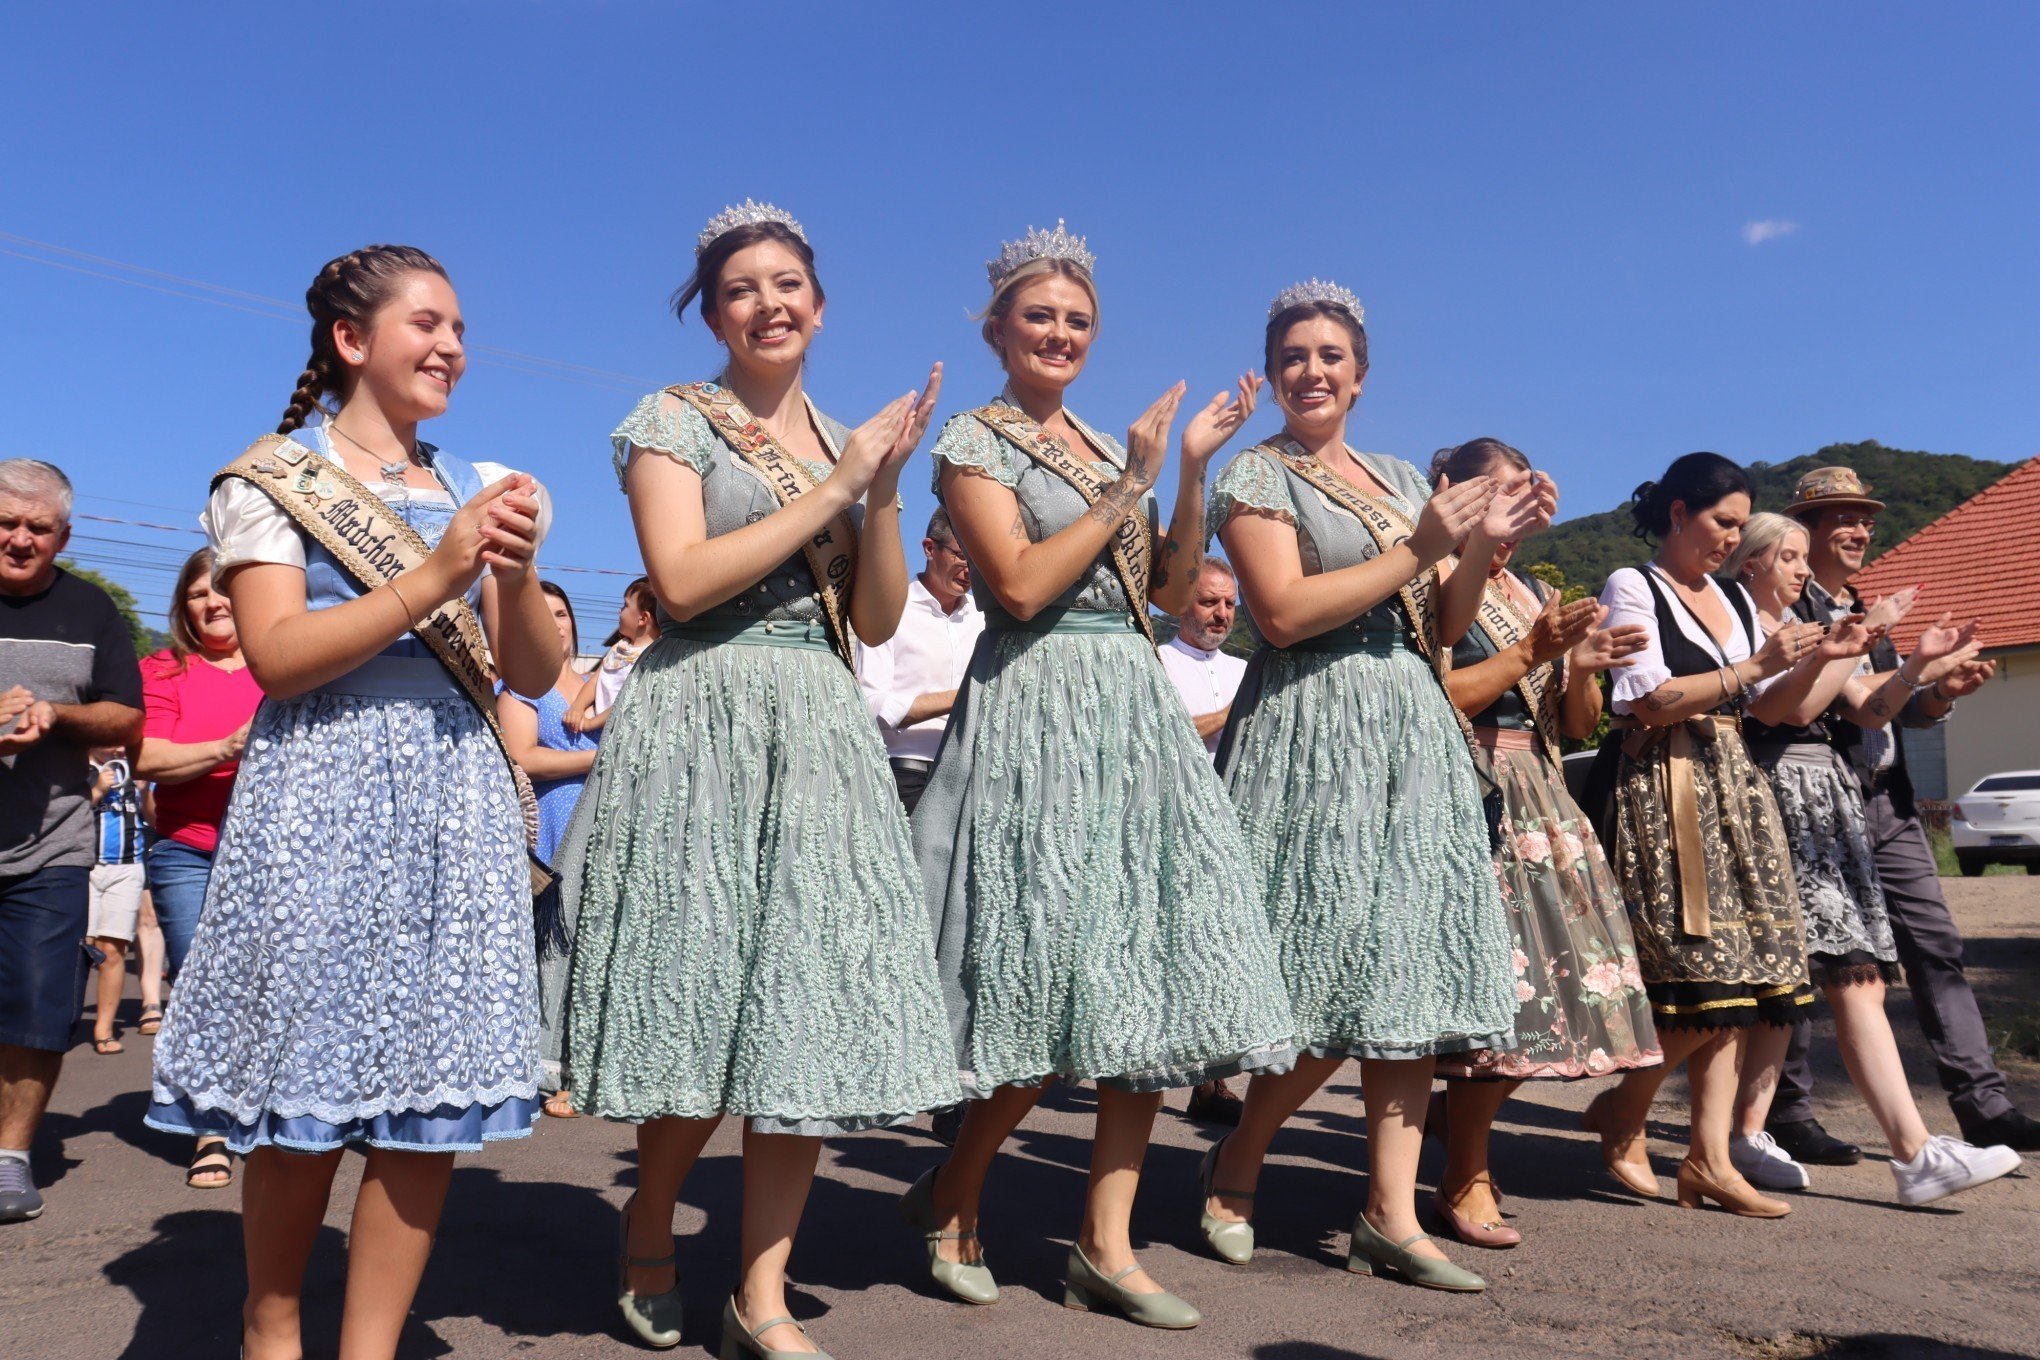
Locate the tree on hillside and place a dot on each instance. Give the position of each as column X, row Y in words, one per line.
column 147, row 639
column 1916, row 487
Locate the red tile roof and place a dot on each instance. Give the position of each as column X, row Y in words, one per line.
column 1981, row 559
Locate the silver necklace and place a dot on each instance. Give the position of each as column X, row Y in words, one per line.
column 392, row 472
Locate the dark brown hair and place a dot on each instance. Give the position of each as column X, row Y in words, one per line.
column 183, row 637
column 1475, row 457
column 1279, row 324
column 1700, row 481
column 559, row 593
column 706, row 279
column 351, row 288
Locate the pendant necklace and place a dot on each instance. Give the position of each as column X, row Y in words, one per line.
column 391, row 472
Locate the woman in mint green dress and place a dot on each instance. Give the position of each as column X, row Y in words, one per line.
column 749, row 932
column 1083, row 865
column 1355, row 787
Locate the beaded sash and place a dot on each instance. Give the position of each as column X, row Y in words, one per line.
column 374, row 546
column 1131, row 548
column 832, row 552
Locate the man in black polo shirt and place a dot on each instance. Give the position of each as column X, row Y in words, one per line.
column 1840, row 517
column 68, row 683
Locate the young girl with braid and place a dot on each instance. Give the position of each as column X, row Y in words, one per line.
column 363, row 970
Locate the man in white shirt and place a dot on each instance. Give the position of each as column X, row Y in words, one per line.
column 1208, row 678
column 910, row 681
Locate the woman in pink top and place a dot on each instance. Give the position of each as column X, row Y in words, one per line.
column 200, row 698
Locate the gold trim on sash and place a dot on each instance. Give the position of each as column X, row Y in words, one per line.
column 376, row 546
column 832, row 552
column 1132, row 547
column 1683, row 797
column 1503, row 621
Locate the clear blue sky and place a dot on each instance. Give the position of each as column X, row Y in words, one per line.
column 1547, row 211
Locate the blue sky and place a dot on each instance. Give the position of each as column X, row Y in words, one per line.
column 1548, row 212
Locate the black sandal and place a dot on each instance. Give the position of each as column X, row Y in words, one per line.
column 209, row 1156
column 152, row 1020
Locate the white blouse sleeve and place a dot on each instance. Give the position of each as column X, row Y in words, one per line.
column 243, row 525
column 491, row 472
column 1629, row 600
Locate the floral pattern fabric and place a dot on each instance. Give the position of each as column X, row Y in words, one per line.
column 363, row 969
column 1581, row 1008
column 1847, row 924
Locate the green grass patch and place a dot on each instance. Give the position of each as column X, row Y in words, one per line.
column 1944, row 857
column 2017, row 1033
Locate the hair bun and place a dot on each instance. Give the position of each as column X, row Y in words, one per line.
column 1643, row 492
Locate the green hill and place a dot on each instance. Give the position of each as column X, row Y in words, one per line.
column 1916, row 488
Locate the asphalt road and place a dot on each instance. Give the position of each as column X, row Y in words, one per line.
column 127, row 1262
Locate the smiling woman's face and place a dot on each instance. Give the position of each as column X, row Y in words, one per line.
column 1046, row 334
column 1317, row 375
column 766, row 309
column 412, row 354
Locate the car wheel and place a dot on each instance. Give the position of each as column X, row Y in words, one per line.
column 1971, row 865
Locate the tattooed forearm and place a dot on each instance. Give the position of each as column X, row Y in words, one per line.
column 1659, row 700
column 1116, row 502
column 1880, row 705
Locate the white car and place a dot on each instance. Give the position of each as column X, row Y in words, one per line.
column 1998, row 822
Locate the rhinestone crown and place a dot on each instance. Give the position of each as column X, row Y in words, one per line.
column 1318, row 290
column 745, row 214
column 1040, row 245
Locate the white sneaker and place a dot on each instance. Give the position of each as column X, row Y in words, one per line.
column 1948, row 1166
column 1764, row 1164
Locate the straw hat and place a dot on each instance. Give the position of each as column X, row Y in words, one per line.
column 1827, row 488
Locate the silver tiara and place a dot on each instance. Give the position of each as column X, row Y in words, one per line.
column 1040, row 245
column 1318, row 290
column 745, row 214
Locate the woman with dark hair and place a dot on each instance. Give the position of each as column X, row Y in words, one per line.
column 201, row 697
column 637, row 627
column 363, row 970
column 1353, row 783
column 1526, row 675
column 1696, row 840
column 1094, row 918
column 556, row 759
column 749, row 937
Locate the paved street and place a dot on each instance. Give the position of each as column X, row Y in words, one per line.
column 127, row 1262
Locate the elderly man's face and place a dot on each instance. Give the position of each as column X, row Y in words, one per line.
column 32, row 533
column 1208, row 619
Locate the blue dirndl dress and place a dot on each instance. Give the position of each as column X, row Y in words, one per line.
column 363, row 970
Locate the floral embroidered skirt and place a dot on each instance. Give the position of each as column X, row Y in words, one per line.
column 748, row 930
column 1084, row 869
column 363, row 969
column 1750, row 962
column 1581, row 1010
column 1366, row 843
column 1848, row 929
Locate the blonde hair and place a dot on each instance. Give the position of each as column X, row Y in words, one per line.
column 1009, row 287
column 1761, row 535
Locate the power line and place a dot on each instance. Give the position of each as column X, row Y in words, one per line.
column 277, row 309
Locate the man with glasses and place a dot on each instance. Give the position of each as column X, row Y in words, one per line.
column 910, row 681
column 68, row 683
column 1840, row 519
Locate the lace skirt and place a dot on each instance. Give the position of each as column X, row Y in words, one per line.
column 363, row 968
column 748, row 932
column 1085, row 872
column 1750, row 965
column 1367, row 847
column 1848, row 929
column 1581, row 1009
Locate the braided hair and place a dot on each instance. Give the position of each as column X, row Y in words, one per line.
column 351, row 288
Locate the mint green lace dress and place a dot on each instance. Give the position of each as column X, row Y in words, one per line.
column 1361, row 808
column 749, row 936
column 1084, row 869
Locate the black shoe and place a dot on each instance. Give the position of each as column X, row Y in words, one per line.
column 1806, row 1142
column 944, row 1124
column 1214, row 1103
column 2017, row 1131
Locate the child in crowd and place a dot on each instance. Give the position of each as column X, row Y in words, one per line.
column 637, row 627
